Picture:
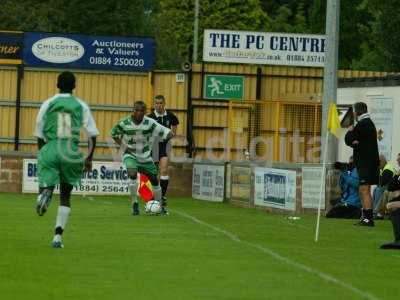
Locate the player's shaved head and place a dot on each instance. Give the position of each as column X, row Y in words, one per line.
column 139, row 105
column 139, row 109
column 66, row 82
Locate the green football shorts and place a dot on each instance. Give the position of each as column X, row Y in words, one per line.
column 59, row 162
column 148, row 168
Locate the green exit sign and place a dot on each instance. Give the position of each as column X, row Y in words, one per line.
column 224, row 87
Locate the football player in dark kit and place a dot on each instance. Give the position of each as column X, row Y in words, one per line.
column 169, row 120
column 363, row 139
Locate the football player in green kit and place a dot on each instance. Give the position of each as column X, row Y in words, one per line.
column 135, row 135
column 58, row 126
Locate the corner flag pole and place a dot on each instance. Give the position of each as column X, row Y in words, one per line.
column 332, row 125
column 330, row 89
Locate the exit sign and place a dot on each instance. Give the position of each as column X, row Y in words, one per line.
column 225, row 87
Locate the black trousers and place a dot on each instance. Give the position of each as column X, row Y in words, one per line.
column 341, row 211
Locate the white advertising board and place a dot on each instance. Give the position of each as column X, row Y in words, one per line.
column 106, row 178
column 267, row 48
column 208, row 182
column 311, row 185
column 275, row 188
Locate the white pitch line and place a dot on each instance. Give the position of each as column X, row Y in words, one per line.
column 91, row 199
column 279, row 257
column 166, row 233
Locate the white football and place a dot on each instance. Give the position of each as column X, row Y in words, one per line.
column 153, row 207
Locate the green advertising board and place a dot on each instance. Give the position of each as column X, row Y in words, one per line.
column 223, row 87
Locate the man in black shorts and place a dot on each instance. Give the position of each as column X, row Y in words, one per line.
column 363, row 139
column 169, row 120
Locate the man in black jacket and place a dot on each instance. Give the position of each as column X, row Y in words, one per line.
column 160, row 152
column 363, row 139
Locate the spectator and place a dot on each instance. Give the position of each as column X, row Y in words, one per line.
column 380, row 194
column 394, row 211
column 349, row 204
column 363, row 139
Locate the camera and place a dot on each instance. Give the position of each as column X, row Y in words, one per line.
column 348, row 118
column 341, row 166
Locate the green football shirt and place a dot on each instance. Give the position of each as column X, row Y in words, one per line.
column 62, row 117
column 139, row 138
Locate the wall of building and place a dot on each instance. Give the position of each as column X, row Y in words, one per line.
column 111, row 96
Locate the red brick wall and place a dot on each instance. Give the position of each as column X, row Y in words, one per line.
column 11, row 174
column 180, row 184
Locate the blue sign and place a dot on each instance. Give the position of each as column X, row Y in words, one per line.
column 275, row 188
column 129, row 54
column 10, row 48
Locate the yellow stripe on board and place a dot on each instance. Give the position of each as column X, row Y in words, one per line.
column 10, row 31
column 10, row 61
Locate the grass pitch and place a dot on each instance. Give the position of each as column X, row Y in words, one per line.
column 201, row 251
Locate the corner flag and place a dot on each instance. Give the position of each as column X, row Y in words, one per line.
column 333, row 120
column 144, row 188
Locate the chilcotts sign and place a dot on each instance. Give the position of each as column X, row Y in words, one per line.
column 224, row 87
column 88, row 52
column 264, row 48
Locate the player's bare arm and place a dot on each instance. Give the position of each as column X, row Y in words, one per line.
column 89, row 158
column 118, row 141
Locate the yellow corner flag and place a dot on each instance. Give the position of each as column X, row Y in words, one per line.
column 333, row 120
